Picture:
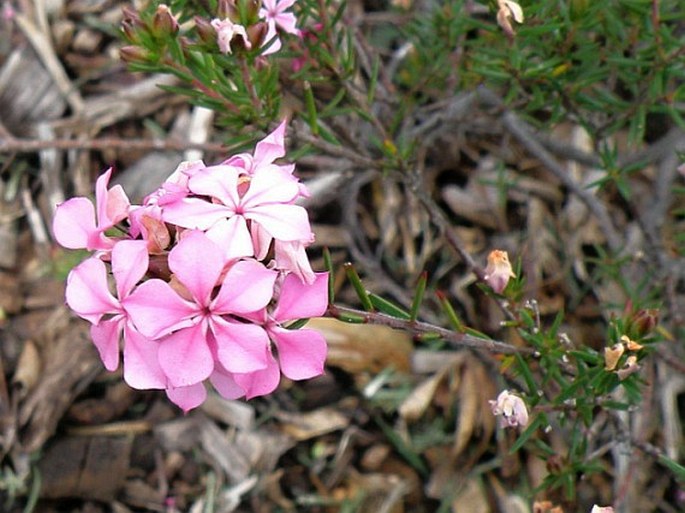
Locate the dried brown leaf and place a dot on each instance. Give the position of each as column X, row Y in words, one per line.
column 359, row 348
column 308, row 425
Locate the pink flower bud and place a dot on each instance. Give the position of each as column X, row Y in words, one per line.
column 163, row 22
column 511, row 408
column 498, row 270
column 134, row 55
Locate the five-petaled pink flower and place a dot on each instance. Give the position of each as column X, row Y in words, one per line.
column 87, row 294
column 78, row 224
column 195, row 324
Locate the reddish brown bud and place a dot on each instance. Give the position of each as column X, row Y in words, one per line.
column 644, row 321
column 205, row 31
column 257, row 33
column 134, row 55
column 132, row 25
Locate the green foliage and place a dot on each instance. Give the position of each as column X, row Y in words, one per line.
column 607, row 65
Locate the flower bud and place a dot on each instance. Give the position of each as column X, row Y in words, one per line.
column 134, row 55
column 643, row 322
column 164, row 24
column 205, row 30
column 251, row 8
column 498, row 271
column 256, row 33
column 132, row 25
column 227, row 9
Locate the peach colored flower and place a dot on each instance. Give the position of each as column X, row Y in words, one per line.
column 498, row 270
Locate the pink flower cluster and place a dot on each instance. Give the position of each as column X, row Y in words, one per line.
column 207, row 274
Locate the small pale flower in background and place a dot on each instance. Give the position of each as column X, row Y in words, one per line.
column 602, row 509
column 612, row 355
column 506, row 10
column 511, row 408
column 628, row 368
column 226, row 31
column 498, row 270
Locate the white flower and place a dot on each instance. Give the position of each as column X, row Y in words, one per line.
column 602, row 509
column 507, row 9
column 511, row 408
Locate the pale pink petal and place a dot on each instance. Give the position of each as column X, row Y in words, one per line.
column 301, row 301
column 267, row 187
column 240, row 347
column 220, row 182
column 129, row 264
column 101, row 197
column 197, row 262
column 156, row 309
column 261, row 382
column 105, row 336
column 247, row 287
column 287, row 22
column 261, row 240
column 301, row 353
column 141, row 365
column 87, row 291
column 225, row 384
column 292, row 257
column 233, row 237
column 283, row 222
column 195, row 213
column 188, row 397
column 271, row 147
column 285, row 4
column 117, row 205
column 185, row 356
column 74, row 224
column 272, row 43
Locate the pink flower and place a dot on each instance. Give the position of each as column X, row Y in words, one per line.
column 198, row 326
column 275, row 15
column 301, row 353
column 77, row 225
column 226, row 31
column 88, row 295
column 270, row 148
column 602, row 509
column 274, row 12
column 146, row 220
column 498, row 270
column 512, row 409
column 263, row 198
